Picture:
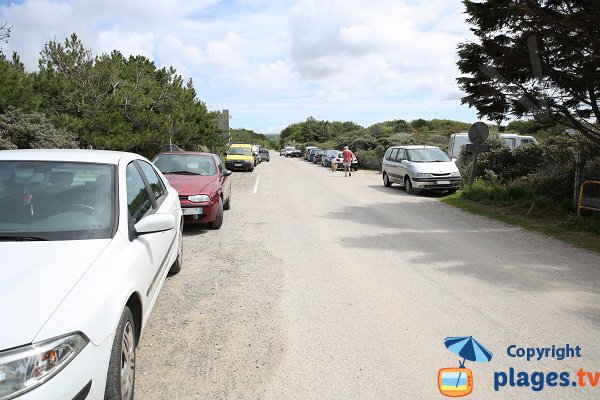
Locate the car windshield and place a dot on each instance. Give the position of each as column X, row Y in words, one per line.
column 52, row 200
column 427, row 155
column 239, row 151
column 185, row 164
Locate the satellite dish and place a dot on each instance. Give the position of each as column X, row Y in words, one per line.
column 478, row 132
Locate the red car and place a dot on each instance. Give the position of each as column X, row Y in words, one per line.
column 202, row 182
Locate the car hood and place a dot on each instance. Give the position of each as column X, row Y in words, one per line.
column 187, row 185
column 35, row 278
column 443, row 167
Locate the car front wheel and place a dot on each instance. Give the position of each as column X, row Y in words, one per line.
column 408, row 186
column 216, row 224
column 386, row 180
column 120, row 379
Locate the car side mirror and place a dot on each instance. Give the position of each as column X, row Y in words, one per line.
column 225, row 172
column 152, row 224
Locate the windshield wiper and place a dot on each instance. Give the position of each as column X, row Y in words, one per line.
column 16, row 238
column 183, row 173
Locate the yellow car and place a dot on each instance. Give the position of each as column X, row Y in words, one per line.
column 240, row 157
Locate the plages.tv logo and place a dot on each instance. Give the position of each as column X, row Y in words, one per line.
column 458, row 382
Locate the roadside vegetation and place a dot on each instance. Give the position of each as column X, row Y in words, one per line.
column 109, row 101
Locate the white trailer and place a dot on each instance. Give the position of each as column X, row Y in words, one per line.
column 512, row 140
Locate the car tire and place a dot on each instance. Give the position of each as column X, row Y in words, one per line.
column 176, row 267
column 386, row 180
column 451, row 191
column 250, row 169
column 122, row 361
column 408, row 186
column 227, row 204
column 216, row 224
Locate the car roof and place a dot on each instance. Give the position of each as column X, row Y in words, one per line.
column 196, row 153
column 73, row 155
column 414, row 146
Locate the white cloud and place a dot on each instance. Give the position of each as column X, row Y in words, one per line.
column 226, row 53
column 129, row 43
column 294, row 56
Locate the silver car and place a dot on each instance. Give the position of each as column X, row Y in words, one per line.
column 420, row 168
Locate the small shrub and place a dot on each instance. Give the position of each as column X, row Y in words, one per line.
column 370, row 159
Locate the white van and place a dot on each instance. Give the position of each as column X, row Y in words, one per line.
column 420, row 168
column 512, row 140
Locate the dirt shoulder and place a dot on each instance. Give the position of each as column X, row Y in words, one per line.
column 546, row 224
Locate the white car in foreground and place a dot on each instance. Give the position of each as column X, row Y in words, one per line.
column 87, row 238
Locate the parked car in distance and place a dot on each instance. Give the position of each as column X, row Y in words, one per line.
column 297, row 153
column 420, row 168
column 256, row 152
column 282, row 152
column 202, row 182
column 339, row 160
column 318, row 156
column 307, row 150
column 87, row 239
column 311, row 154
column 326, row 159
column 289, row 151
column 264, row 154
column 512, row 140
column 240, row 157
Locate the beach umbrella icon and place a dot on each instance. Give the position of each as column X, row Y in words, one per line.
column 469, row 349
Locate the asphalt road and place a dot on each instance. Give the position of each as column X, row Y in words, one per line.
column 324, row 287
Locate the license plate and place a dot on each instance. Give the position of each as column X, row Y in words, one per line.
column 237, row 165
column 192, row 211
column 443, row 182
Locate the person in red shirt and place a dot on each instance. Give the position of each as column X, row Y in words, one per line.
column 347, row 161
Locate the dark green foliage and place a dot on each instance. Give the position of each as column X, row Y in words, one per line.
column 536, row 58
column 336, row 135
column 510, row 164
column 32, row 131
column 523, row 127
column 370, row 159
column 16, row 86
column 110, row 101
column 315, row 131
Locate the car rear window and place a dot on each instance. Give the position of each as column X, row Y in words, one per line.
column 190, row 164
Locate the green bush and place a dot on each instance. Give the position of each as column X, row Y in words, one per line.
column 501, row 194
column 370, row 159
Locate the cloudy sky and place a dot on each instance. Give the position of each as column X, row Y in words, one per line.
column 274, row 62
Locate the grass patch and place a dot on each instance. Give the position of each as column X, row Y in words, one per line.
column 550, row 224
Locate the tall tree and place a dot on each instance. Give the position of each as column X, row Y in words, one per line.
column 16, row 85
column 534, row 57
column 121, row 103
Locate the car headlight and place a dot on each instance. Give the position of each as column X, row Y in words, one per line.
column 422, row 175
column 27, row 367
column 456, row 173
column 199, row 198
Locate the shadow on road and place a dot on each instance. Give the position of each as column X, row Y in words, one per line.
column 430, row 235
column 400, row 190
column 195, row 230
